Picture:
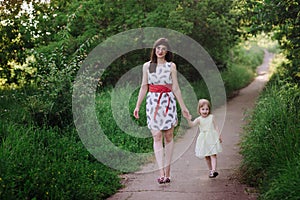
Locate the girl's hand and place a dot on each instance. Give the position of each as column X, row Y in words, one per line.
column 186, row 113
column 136, row 113
column 220, row 139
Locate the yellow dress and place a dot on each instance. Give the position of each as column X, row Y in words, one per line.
column 207, row 143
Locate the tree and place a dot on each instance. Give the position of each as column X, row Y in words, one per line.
column 60, row 34
column 282, row 18
column 19, row 33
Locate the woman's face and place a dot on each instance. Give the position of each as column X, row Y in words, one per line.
column 204, row 110
column 161, row 51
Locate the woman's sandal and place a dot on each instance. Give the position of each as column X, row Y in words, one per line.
column 161, row 180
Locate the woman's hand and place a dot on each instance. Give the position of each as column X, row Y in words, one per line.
column 186, row 113
column 136, row 113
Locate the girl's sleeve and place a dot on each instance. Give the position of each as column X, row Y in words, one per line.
column 195, row 122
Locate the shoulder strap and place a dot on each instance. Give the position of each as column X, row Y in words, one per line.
column 152, row 67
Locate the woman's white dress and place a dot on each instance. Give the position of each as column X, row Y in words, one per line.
column 163, row 121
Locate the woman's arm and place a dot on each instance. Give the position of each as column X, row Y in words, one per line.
column 177, row 92
column 143, row 91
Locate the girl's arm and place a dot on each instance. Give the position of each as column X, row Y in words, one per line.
column 193, row 123
column 143, row 91
column 177, row 92
column 217, row 129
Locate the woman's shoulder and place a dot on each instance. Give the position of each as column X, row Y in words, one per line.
column 172, row 65
column 147, row 63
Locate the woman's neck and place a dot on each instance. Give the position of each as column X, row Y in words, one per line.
column 161, row 60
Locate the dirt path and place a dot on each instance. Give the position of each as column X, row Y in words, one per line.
column 190, row 175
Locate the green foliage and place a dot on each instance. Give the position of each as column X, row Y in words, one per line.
column 78, row 27
column 285, row 186
column 18, row 31
column 62, row 23
column 44, row 164
column 51, row 103
column 280, row 17
column 216, row 25
column 110, row 128
column 51, row 163
column 64, row 32
column 48, row 161
column 271, row 145
column 241, row 69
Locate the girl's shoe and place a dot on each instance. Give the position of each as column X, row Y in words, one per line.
column 167, row 180
column 213, row 174
column 161, row 180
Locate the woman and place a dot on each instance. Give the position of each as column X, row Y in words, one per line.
column 160, row 81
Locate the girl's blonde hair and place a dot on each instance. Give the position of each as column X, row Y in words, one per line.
column 201, row 103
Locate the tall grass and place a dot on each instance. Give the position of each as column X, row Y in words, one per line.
column 45, row 164
column 271, row 144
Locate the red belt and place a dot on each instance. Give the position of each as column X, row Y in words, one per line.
column 161, row 89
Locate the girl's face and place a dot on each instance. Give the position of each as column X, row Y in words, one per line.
column 204, row 110
column 161, row 51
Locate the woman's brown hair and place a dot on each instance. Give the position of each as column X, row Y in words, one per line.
column 153, row 57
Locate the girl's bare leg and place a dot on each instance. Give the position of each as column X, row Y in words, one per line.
column 158, row 150
column 208, row 162
column 213, row 162
column 169, row 144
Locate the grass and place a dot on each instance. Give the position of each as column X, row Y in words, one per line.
column 45, row 164
column 39, row 162
column 271, row 144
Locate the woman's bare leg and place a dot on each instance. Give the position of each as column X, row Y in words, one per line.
column 158, row 150
column 169, row 144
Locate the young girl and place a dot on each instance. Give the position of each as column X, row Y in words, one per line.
column 209, row 138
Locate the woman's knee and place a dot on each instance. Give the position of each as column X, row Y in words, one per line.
column 157, row 136
column 169, row 135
